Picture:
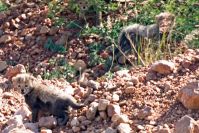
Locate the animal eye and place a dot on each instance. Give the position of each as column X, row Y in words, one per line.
column 26, row 85
column 19, row 86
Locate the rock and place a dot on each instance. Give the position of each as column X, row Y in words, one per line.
column 91, row 112
column 135, row 80
column 46, row 131
column 110, row 130
column 5, row 39
column 7, row 95
column 76, row 129
column 130, row 90
column 123, row 73
column 124, row 128
column 81, row 118
column 189, row 95
column 103, row 115
column 115, row 97
column 93, row 84
column 19, row 130
column 103, row 103
column 23, row 111
column 62, row 40
column 117, row 119
column 44, row 30
column 163, row 67
column 163, row 130
column 186, row 125
column 53, row 31
column 113, row 109
column 122, row 60
column 80, row 65
column 86, row 122
column 14, row 70
column 74, row 122
column 32, row 126
column 14, row 124
column 47, row 122
column 147, row 111
column 3, row 65
column 69, row 90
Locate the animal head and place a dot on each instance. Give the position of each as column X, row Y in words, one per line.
column 165, row 21
column 83, row 4
column 23, row 82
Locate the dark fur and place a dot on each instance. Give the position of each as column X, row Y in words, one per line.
column 40, row 97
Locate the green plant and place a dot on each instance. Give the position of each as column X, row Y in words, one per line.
column 61, row 69
column 3, row 6
column 50, row 45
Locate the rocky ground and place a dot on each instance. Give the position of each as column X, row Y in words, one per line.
column 162, row 97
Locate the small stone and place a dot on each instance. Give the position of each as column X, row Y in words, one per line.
column 53, row 30
column 23, row 111
column 130, row 90
column 80, row 65
column 7, row 95
column 186, row 125
column 74, row 122
column 5, row 39
column 76, row 129
column 113, row 109
column 147, row 111
column 32, row 126
column 47, row 122
column 103, row 103
column 117, row 119
column 91, row 112
column 3, row 65
column 44, row 30
column 46, row 131
column 124, row 128
column 103, row 115
column 163, row 67
column 115, row 97
column 122, row 60
column 93, row 84
column 82, row 118
column 62, row 40
column 123, row 73
column 135, row 80
column 86, row 122
column 110, row 130
column 189, row 95
column 140, row 127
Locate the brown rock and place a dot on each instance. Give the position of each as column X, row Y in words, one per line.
column 103, row 115
column 5, row 39
column 23, row 111
column 189, row 95
column 14, row 70
column 130, row 90
column 91, row 112
column 117, row 119
column 147, row 111
column 186, row 125
column 163, row 67
column 47, row 122
column 53, row 30
column 62, row 40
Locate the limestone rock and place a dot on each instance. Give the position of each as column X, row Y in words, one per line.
column 47, row 122
column 124, row 128
column 163, row 67
column 186, row 125
column 113, row 109
column 3, row 65
column 189, row 95
column 103, row 103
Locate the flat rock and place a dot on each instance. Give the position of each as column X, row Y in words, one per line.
column 119, row 118
column 189, row 95
column 163, row 67
column 91, row 112
column 186, row 125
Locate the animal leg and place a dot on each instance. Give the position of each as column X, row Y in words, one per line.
column 34, row 114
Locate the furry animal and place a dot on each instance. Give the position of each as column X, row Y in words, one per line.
column 132, row 34
column 40, row 97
